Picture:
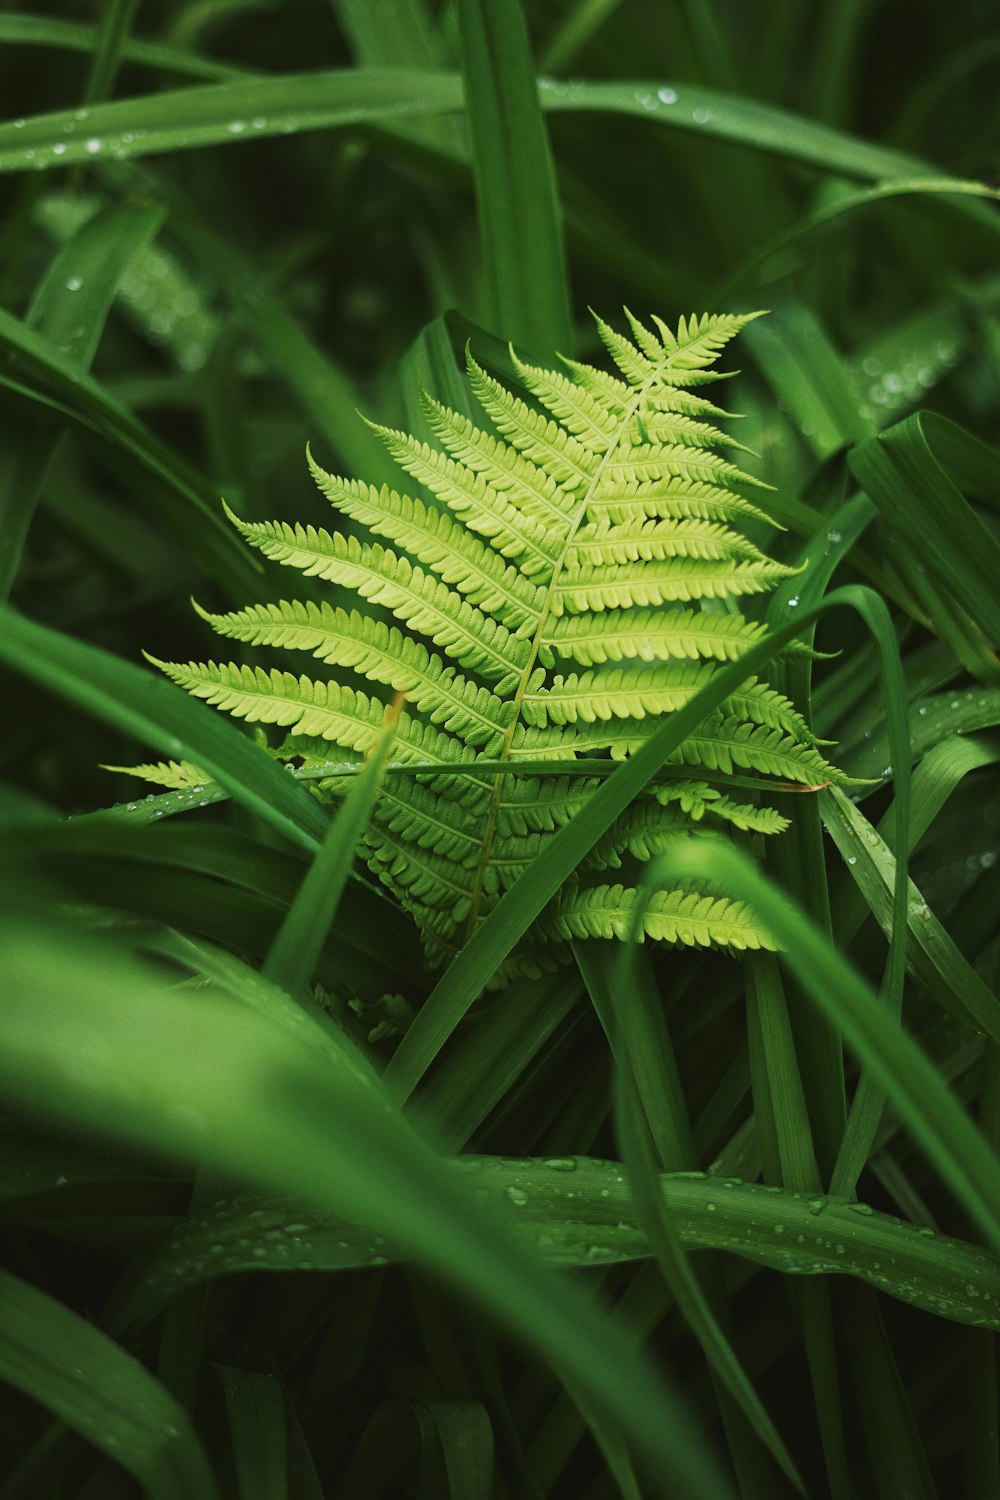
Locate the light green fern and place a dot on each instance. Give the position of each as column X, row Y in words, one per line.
column 560, row 583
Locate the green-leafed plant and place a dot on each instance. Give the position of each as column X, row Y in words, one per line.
column 287, row 1214
column 566, row 578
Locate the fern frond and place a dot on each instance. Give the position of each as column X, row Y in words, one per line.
column 482, row 508
column 652, row 635
column 474, row 639
column 690, row 918
column 175, row 775
column 544, row 442
column 666, row 580
column 652, row 541
column 538, row 495
column 379, row 652
column 621, row 502
column 595, row 526
column 444, row 546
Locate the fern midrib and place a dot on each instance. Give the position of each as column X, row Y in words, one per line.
column 504, row 752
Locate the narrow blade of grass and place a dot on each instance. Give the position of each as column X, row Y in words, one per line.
column 292, row 957
column 156, row 711
column 69, row 310
column 949, row 1138
column 580, row 1212
column 520, row 221
column 255, row 1406
column 901, row 472
column 270, row 1098
column 80, row 1375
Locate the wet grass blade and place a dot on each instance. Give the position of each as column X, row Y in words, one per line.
column 951, row 1141
column 103, row 1393
column 157, row 712
column 580, row 1211
column 69, row 310
column 224, row 114
column 260, row 1093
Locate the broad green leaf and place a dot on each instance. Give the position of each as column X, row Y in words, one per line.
column 580, row 1212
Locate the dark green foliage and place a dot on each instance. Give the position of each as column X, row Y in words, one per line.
column 233, row 1265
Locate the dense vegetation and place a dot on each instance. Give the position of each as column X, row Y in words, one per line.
column 288, row 1210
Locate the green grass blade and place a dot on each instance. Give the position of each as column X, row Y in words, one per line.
column 75, row 1370
column 520, row 221
column 71, row 36
column 112, row 35
column 69, row 309
column 156, row 711
column 902, row 474
column 910, row 1081
column 662, row 1233
column 255, row 1406
column 580, row 1212
column 215, row 114
column 809, row 377
column 292, row 957
column 199, row 520
column 269, row 1098
column 938, row 966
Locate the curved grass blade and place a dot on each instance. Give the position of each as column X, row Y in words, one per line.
column 260, row 1093
column 71, row 36
column 902, row 473
column 154, row 710
column 938, row 966
column 69, row 309
column 215, row 114
column 104, row 1394
column 580, row 1212
column 909, row 1080
column 828, row 213
column 201, row 523
column 292, row 957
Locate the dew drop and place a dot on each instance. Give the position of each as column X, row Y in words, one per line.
column 701, row 116
column 517, row 1196
column 74, row 284
column 59, row 149
column 667, row 95
column 561, row 1163
column 93, row 146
